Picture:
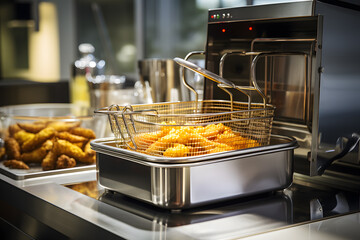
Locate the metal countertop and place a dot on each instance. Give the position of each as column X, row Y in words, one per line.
column 50, row 201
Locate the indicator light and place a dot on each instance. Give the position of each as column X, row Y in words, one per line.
column 212, row 16
column 250, row 28
column 223, row 30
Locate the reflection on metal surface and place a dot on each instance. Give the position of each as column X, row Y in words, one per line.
column 195, row 182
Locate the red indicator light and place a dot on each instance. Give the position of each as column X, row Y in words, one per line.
column 212, row 16
column 223, row 30
column 250, row 28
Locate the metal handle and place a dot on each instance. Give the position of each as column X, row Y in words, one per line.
column 182, row 73
column 350, row 145
column 210, row 75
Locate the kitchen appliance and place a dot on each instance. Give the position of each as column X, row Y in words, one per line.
column 304, row 56
column 180, row 183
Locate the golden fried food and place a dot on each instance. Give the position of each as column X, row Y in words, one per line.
column 71, row 150
column 211, row 131
column 16, row 164
column 236, row 141
column 35, row 156
column 44, row 142
column 49, row 162
column 14, row 128
column 181, row 141
column 60, row 126
column 178, row 150
column 70, row 137
column 22, row 136
column 12, row 148
column 32, row 127
column 87, row 149
column 2, row 152
column 38, row 139
column 65, row 162
column 84, row 132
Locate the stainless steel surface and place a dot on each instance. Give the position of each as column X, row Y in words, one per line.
column 36, row 171
column 110, row 146
column 106, row 90
column 48, row 208
column 183, row 185
column 163, row 78
column 315, row 97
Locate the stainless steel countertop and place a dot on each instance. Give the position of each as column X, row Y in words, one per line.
column 112, row 215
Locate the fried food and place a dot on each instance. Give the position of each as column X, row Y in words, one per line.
column 70, row 137
column 2, row 152
column 49, row 162
column 45, row 142
column 178, row 150
column 71, row 150
column 16, row 164
column 236, row 141
column 85, row 132
column 182, row 141
column 38, row 139
column 65, row 162
column 22, row 136
column 60, row 126
column 35, row 156
column 14, row 128
column 32, row 127
column 12, row 148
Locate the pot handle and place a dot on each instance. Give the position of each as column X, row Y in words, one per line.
column 350, row 145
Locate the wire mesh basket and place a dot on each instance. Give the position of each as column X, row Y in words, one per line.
column 184, row 129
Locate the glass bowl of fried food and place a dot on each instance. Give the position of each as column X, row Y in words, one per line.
column 53, row 136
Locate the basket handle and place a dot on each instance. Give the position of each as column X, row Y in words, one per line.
column 210, row 75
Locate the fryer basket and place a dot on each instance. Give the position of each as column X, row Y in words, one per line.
column 180, row 129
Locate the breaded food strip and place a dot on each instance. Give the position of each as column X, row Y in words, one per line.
column 71, row 150
column 70, row 137
column 14, row 128
column 16, row 164
column 35, row 156
column 12, row 148
column 2, row 152
column 88, row 150
column 85, row 132
column 32, row 127
column 49, row 162
column 38, row 139
column 22, row 136
column 65, row 162
column 63, row 126
column 179, row 150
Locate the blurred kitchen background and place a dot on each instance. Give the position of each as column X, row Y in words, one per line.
column 39, row 39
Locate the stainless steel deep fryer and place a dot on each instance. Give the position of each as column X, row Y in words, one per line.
column 180, row 129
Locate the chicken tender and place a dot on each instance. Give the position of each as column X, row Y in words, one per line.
column 70, row 137
column 60, row 126
column 2, row 152
column 84, row 132
column 65, row 162
column 14, row 128
column 38, row 139
column 71, row 150
column 22, row 136
column 32, row 127
column 16, row 164
column 12, row 148
column 179, row 150
column 49, row 162
column 236, row 141
column 35, row 156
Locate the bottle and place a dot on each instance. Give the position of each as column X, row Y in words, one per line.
column 86, row 65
